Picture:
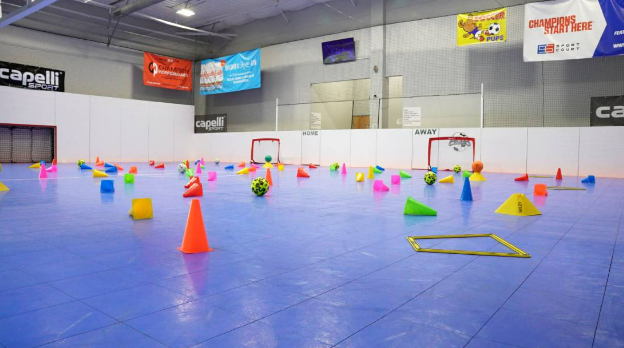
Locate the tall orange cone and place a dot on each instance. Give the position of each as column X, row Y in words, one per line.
column 195, row 239
column 559, row 176
column 301, row 173
column 268, row 177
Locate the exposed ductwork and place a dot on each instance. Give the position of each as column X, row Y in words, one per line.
column 138, row 5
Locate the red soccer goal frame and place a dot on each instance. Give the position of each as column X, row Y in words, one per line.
column 431, row 140
column 265, row 139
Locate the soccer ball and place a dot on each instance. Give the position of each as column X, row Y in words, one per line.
column 334, row 166
column 457, row 168
column 217, row 161
column 80, row 163
column 268, row 158
column 494, row 29
column 430, row 178
column 260, row 186
column 181, row 168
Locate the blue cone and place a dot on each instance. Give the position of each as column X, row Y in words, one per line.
column 380, row 168
column 84, row 166
column 434, row 169
column 108, row 165
column 466, row 191
column 590, row 179
column 231, row 166
column 111, row 170
column 107, row 186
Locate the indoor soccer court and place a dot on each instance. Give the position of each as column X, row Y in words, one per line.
column 307, row 173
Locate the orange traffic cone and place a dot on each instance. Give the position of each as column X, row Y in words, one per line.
column 160, row 166
column 119, row 168
column 302, row 173
column 195, row 239
column 193, row 180
column 268, row 177
column 54, row 161
column 151, row 163
column 559, row 176
column 97, row 159
column 187, row 164
column 253, row 169
column 196, row 190
column 133, row 170
column 241, row 165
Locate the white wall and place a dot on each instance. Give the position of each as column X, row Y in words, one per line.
column 520, row 150
column 116, row 130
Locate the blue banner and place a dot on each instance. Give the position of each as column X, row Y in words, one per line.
column 234, row 73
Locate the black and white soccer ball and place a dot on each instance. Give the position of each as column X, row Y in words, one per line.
column 494, row 29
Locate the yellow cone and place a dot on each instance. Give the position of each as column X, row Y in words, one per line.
column 448, row 180
column 141, row 209
column 35, row 166
column 267, row 165
column 243, row 171
column 518, row 205
column 370, row 173
column 3, row 187
column 477, row 177
column 359, row 177
column 98, row 174
column 280, row 167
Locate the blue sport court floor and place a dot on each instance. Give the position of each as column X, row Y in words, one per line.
column 317, row 262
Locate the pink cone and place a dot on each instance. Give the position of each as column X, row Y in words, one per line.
column 202, row 162
column 51, row 169
column 344, row 169
column 198, row 170
column 212, row 176
column 42, row 172
column 380, row 186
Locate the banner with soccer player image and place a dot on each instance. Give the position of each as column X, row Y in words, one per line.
column 482, row 27
column 573, row 29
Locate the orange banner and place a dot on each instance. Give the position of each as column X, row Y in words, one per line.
column 166, row 72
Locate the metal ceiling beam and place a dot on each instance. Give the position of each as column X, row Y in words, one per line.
column 138, row 5
column 24, row 11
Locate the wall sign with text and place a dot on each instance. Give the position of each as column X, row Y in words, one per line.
column 607, row 111
column 31, row 77
column 216, row 123
column 167, row 72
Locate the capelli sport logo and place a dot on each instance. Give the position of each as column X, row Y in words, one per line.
column 153, row 68
column 31, row 77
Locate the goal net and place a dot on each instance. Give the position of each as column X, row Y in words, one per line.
column 446, row 152
column 260, row 148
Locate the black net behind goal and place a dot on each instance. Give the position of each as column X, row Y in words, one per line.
column 23, row 144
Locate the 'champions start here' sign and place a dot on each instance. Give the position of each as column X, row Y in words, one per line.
column 573, row 29
column 233, row 73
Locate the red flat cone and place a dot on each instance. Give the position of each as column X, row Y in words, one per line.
column 193, row 180
column 559, row 176
column 525, row 177
column 311, row 166
column 151, row 163
column 301, row 173
column 195, row 239
column 54, row 162
column 196, row 190
column 160, row 166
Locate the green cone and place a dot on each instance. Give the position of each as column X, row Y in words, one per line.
column 466, row 174
column 376, row 171
column 404, row 175
column 414, row 207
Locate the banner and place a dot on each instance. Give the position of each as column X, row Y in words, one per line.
column 234, row 73
column 412, row 116
column 166, row 72
column 607, row 111
column 573, row 29
column 31, row 77
column 482, row 27
column 216, row 123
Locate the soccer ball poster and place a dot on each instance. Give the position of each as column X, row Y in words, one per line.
column 573, row 29
column 482, row 27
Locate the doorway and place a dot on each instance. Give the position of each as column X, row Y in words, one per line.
column 360, row 122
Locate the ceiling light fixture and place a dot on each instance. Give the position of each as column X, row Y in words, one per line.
column 186, row 12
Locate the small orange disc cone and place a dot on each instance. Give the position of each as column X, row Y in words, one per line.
column 301, row 173
column 196, row 190
column 195, row 239
column 268, row 177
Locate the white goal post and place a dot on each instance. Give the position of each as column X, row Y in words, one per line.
column 261, row 147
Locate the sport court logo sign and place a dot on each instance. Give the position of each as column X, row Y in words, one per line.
column 607, row 111
column 216, row 123
column 31, row 77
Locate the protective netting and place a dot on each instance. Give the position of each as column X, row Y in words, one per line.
column 26, row 144
column 445, row 153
